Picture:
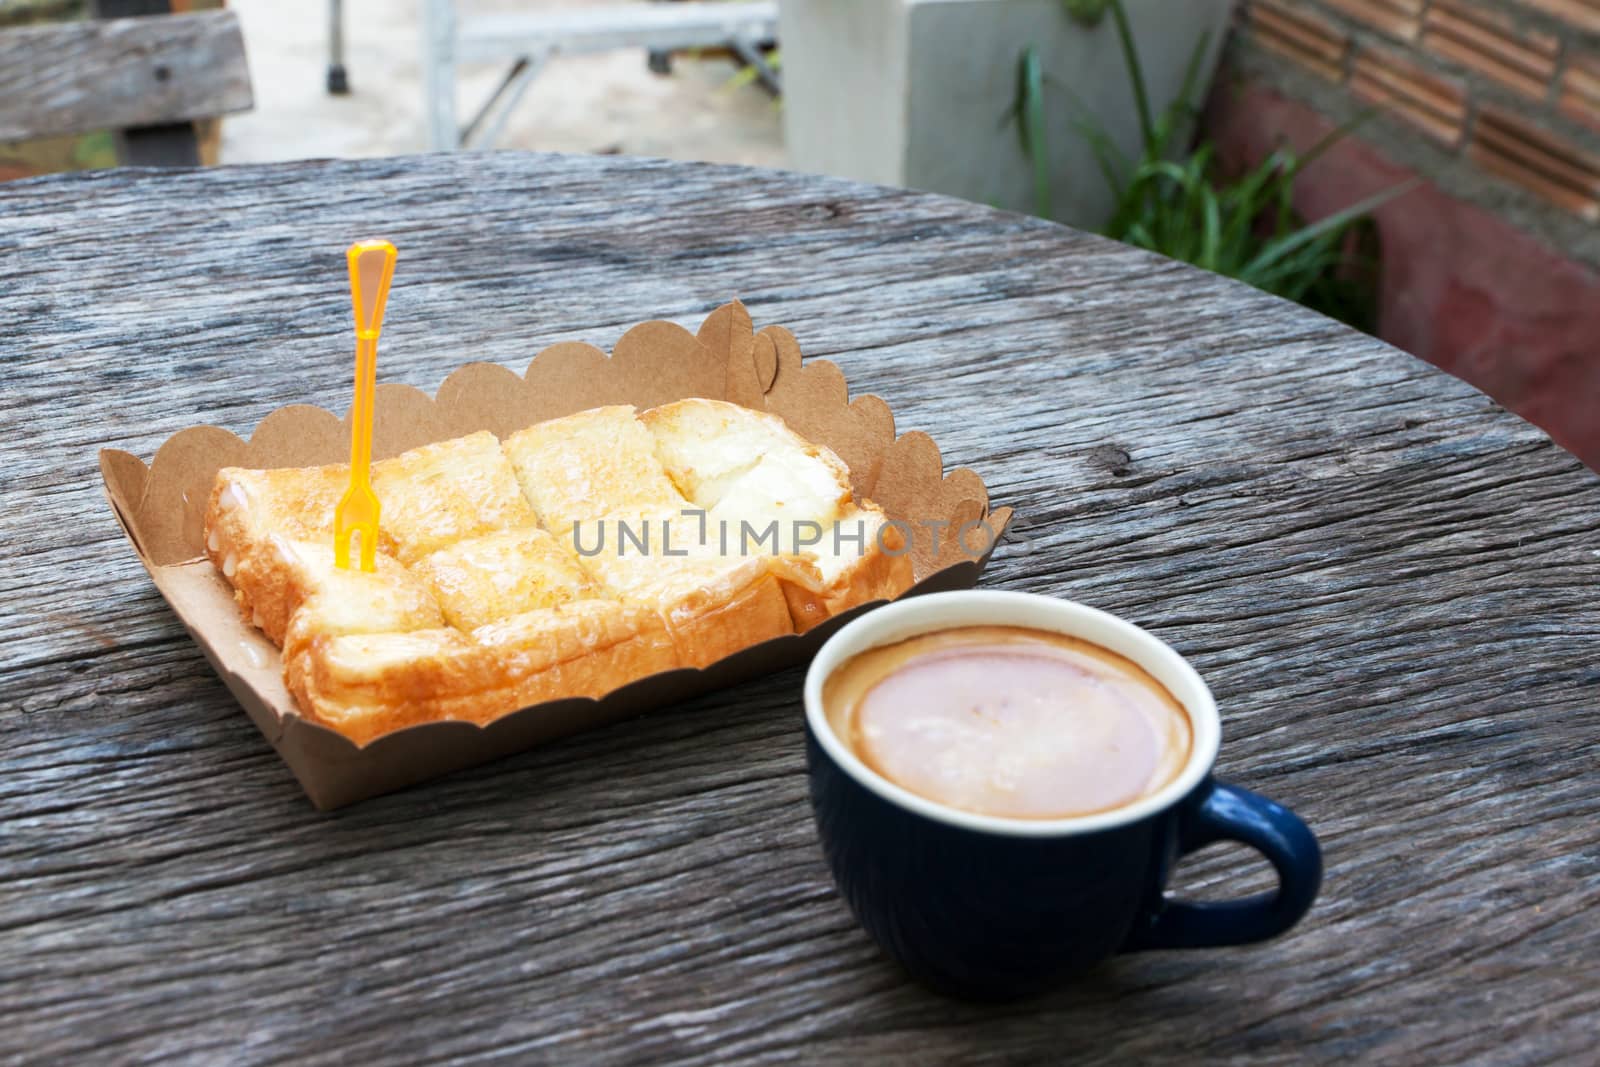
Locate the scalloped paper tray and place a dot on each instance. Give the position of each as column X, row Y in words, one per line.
column 161, row 508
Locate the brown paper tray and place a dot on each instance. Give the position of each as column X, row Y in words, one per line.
column 161, row 509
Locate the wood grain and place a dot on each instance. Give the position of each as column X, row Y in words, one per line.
column 1388, row 581
column 80, row 77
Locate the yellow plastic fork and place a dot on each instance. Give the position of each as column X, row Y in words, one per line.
column 371, row 268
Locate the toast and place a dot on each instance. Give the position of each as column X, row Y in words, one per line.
column 748, row 469
column 595, row 478
column 367, row 685
column 490, row 592
column 441, row 493
column 591, row 465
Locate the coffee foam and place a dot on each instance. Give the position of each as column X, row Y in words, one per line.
column 1010, row 722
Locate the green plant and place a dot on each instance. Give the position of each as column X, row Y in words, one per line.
column 1244, row 227
column 1088, row 12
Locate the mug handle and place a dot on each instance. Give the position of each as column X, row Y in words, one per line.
column 1223, row 812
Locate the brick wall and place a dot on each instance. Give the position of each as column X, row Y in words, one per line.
column 1513, row 86
column 1491, row 270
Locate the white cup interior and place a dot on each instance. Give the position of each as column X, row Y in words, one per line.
column 945, row 611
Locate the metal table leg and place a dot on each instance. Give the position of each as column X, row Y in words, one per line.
column 439, row 74
column 338, row 81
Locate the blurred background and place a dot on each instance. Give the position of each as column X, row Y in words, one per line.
column 1425, row 170
column 605, row 101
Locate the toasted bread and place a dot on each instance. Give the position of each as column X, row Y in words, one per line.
column 714, row 451
column 264, row 539
column 442, row 493
column 712, row 605
column 491, row 591
column 592, row 464
column 367, row 685
column 860, row 559
column 485, row 579
column 749, row 469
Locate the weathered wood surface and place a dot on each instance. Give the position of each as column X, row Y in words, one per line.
column 78, row 77
column 1389, row 582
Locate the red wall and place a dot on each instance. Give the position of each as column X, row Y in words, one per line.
column 1461, row 287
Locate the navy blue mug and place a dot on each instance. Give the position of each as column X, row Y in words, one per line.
column 990, row 908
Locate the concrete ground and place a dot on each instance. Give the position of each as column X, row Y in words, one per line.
column 598, row 103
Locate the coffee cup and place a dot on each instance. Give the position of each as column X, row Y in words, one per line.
column 987, row 907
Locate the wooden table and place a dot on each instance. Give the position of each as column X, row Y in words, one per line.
column 1389, row 581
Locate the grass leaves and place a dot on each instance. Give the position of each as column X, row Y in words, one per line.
column 1241, row 226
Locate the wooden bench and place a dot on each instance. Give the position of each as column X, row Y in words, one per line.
column 148, row 77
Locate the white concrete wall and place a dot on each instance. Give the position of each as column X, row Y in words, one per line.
column 849, row 59
column 914, row 92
